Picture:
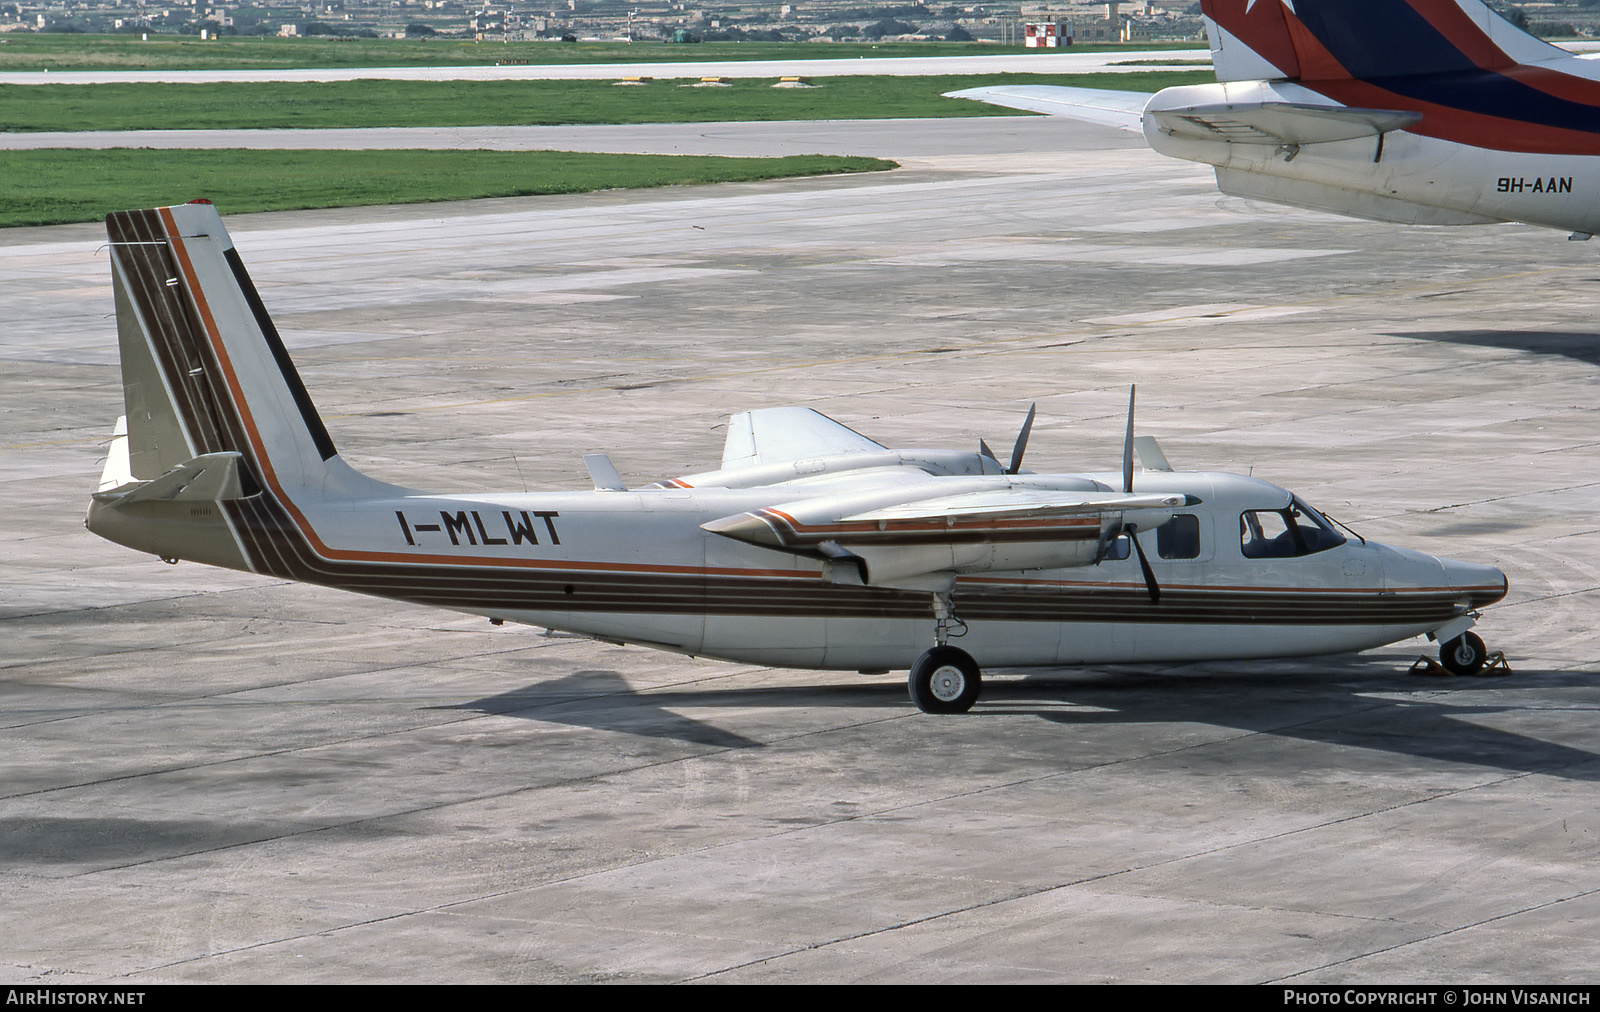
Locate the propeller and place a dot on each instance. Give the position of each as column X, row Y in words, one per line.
column 1127, row 447
column 1022, row 441
column 1127, row 488
column 1017, row 448
column 1144, row 564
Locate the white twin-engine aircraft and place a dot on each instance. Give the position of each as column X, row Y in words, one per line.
column 1423, row 112
column 811, row 546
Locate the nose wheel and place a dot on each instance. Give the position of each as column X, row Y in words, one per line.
column 1464, row 655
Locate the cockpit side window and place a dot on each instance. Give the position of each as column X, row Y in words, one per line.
column 1286, row 533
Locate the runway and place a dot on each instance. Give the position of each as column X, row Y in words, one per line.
column 1108, row 61
column 907, row 139
column 207, row 776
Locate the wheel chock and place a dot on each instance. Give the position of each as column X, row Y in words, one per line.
column 1495, row 665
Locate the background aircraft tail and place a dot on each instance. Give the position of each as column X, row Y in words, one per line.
column 204, row 370
column 1332, row 40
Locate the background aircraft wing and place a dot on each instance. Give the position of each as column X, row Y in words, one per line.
column 1121, row 109
column 777, row 435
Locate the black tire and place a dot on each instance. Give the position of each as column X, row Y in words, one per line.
column 945, row 680
column 1463, row 655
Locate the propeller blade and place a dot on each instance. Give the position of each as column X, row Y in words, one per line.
column 1109, row 530
column 983, row 450
column 1144, row 564
column 1127, row 449
column 1022, row 441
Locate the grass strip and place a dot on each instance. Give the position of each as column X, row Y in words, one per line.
column 54, row 186
column 20, row 51
column 345, row 104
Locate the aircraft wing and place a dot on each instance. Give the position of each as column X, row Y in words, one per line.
column 778, row 435
column 1004, row 505
column 927, row 542
column 1028, row 514
column 1121, row 109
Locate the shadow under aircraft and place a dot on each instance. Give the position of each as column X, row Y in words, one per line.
column 603, row 700
column 1347, row 702
column 1581, row 346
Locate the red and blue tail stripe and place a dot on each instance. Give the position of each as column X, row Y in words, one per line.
column 1454, row 61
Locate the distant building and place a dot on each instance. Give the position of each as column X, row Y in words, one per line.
column 1046, row 34
column 1116, row 27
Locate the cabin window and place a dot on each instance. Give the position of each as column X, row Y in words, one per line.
column 1179, row 538
column 1117, row 549
column 1286, row 533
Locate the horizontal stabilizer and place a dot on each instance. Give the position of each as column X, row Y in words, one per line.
column 778, row 435
column 1279, row 122
column 1120, row 109
column 210, row 477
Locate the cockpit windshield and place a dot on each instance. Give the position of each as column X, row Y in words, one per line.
column 1286, row 533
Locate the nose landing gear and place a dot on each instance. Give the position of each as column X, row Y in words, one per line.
column 1463, row 655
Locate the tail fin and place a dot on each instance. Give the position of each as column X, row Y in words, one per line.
column 204, row 370
column 1331, row 40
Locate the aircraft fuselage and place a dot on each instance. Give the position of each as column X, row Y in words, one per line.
column 638, row 567
column 1398, row 176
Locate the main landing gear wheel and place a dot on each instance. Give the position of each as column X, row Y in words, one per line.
column 1463, row 655
column 945, row 680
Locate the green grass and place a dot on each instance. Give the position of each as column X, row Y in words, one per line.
column 54, row 186
column 277, row 105
column 177, row 52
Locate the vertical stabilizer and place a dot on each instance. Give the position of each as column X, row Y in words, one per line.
column 1331, row 40
column 204, row 370
column 1247, row 43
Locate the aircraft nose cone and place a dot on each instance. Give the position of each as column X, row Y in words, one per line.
column 1485, row 584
